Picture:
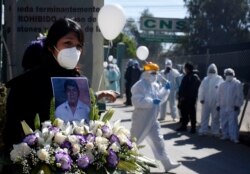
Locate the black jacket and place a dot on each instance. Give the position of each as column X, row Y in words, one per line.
column 31, row 94
column 188, row 91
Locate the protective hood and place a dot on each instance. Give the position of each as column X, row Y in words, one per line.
column 212, row 69
column 147, row 75
column 168, row 63
column 229, row 72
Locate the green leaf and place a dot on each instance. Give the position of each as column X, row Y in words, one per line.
column 26, row 129
column 37, row 122
column 52, row 110
column 127, row 166
column 108, row 115
column 94, row 111
column 42, row 168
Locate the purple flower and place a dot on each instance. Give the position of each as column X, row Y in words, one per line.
column 112, row 159
column 30, row 139
column 114, row 139
column 64, row 159
column 66, row 144
column 81, row 139
column 83, row 161
column 105, row 130
column 129, row 144
column 54, row 129
column 90, row 137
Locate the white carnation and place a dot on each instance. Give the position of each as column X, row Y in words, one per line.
column 102, row 148
column 43, row 154
column 58, row 123
column 60, row 138
column 19, row 152
column 101, row 140
column 115, row 147
column 89, row 146
column 75, row 148
column 98, row 132
column 73, row 139
column 79, row 130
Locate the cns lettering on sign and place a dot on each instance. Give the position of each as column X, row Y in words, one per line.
column 163, row 24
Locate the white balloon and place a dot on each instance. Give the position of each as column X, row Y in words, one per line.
column 111, row 20
column 105, row 64
column 110, row 58
column 142, row 52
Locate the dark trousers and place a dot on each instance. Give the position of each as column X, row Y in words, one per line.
column 188, row 113
column 128, row 94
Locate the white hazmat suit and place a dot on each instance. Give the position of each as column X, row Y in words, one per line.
column 144, row 119
column 207, row 96
column 230, row 99
column 171, row 76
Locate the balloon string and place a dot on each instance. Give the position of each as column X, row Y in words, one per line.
column 109, row 48
column 110, row 43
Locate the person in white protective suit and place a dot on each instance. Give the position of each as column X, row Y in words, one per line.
column 117, row 69
column 146, row 99
column 230, row 99
column 113, row 77
column 170, row 74
column 207, row 96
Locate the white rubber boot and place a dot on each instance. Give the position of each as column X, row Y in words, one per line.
column 169, row 165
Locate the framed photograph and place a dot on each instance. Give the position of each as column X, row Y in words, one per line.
column 72, row 98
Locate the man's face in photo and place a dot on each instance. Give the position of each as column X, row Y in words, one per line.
column 72, row 94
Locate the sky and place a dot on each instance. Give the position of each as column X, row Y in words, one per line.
column 159, row 8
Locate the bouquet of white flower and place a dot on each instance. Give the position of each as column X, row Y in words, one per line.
column 77, row 147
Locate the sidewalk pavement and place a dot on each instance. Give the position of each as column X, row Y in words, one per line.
column 198, row 154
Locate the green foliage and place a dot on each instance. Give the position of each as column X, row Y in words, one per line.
column 52, row 109
column 94, row 111
column 37, row 122
column 216, row 22
column 108, row 115
column 128, row 41
column 132, row 29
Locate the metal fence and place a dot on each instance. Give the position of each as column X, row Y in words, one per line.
column 238, row 60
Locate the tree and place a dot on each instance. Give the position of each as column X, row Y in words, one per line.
column 128, row 41
column 132, row 30
column 215, row 22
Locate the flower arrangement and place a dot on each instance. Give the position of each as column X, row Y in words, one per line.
column 77, row 147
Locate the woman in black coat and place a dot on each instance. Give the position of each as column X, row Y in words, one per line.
column 31, row 92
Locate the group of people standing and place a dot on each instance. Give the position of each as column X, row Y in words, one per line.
column 220, row 99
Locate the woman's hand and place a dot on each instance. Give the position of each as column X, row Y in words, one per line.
column 108, row 95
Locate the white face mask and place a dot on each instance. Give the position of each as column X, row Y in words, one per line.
column 68, row 57
column 229, row 78
column 152, row 78
column 211, row 74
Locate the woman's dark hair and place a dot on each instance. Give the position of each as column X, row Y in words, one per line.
column 61, row 28
column 33, row 55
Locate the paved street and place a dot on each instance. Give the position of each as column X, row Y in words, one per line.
column 198, row 154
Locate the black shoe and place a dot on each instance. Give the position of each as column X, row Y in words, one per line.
column 181, row 129
column 127, row 103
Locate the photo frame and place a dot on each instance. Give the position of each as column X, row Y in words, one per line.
column 59, row 89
